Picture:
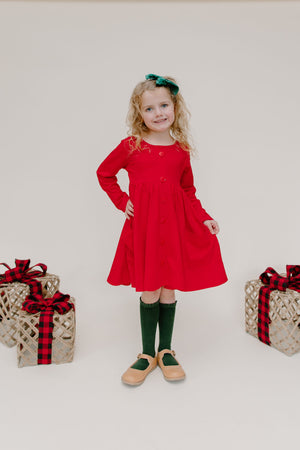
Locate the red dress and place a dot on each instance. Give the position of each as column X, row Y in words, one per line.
column 165, row 243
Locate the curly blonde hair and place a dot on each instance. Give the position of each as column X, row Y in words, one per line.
column 137, row 128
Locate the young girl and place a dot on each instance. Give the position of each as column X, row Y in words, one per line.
column 168, row 240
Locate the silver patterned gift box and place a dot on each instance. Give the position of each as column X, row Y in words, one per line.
column 63, row 337
column 284, row 316
column 12, row 295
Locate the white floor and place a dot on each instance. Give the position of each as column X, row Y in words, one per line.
column 238, row 392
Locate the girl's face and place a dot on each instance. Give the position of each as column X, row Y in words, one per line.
column 157, row 109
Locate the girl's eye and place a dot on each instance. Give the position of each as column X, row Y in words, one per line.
column 165, row 104
column 148, row 109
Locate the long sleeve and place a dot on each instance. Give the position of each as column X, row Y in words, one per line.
column 187, row 183
column 106, row 174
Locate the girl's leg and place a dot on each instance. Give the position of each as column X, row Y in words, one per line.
column 149, row 314
column 167, row 295
column 170, row 367
column 150, row 296
column 166, row 323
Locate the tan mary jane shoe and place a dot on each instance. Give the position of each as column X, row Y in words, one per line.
column 134, row 377
column 171, row 373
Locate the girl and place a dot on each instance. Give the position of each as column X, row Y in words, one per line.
column 168, row 240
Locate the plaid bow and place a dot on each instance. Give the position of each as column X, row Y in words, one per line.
column 46, row 306
column 24, row 274
column 161, row 81
column 273, row 281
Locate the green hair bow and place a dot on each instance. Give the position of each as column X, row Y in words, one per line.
column 161, row 81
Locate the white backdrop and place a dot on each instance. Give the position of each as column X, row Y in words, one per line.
column 67, row 72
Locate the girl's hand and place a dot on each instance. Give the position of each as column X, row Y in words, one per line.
column 212, row 225
column 129, row 209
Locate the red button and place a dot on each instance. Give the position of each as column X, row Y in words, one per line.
column 162, row 242
column 161, row 153
column 162, row 179
column 162, row 220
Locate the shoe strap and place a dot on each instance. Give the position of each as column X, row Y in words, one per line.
column 145, row 356
column 166, row 350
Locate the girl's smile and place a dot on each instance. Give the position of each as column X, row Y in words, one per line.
column 161, row 120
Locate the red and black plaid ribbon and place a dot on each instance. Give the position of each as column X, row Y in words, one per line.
column 273, row 281
column 24, row 274
column 46, row 306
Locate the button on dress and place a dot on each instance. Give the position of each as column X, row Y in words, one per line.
column 165, row 243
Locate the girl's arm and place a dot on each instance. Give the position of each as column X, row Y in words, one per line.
column 187, row 183
column 106, row 174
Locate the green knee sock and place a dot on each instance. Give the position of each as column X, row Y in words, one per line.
column 166, row 322
column 149, row 314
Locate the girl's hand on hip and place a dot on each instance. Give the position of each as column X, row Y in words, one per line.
column 129, row 209
column 212, row 225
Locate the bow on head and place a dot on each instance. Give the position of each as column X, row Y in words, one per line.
column 275, row 281
column 161, row 81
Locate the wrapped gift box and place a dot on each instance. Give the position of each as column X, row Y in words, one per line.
column 284, row 316
column 28, row 337
column 12, row 296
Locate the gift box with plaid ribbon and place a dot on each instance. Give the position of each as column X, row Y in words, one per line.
column 272, row 309
column 46, row 330
column 15, row 285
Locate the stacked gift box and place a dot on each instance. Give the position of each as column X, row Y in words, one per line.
column 272, row 309
column 35, row 316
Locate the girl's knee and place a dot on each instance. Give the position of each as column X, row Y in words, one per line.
column 167, row 295
column 151, row 296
